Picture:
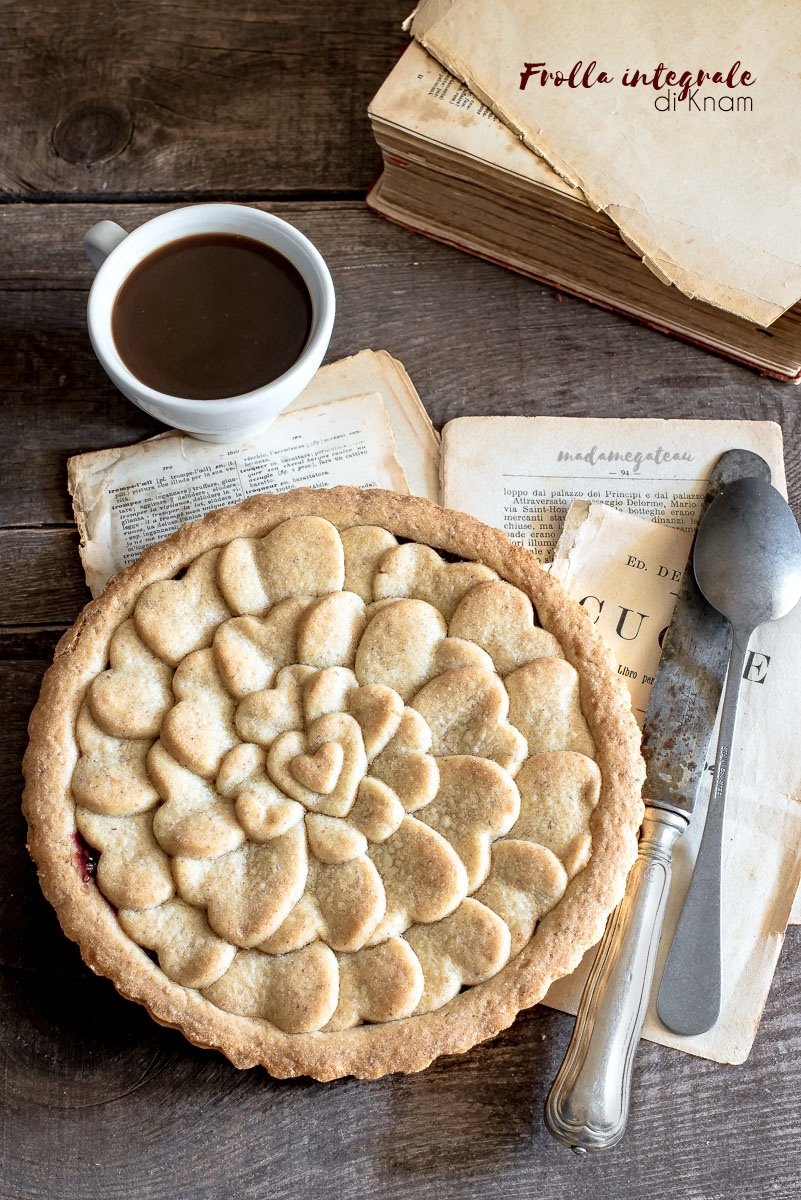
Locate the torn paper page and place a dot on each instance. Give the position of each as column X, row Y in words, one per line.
column 129, row 498
column 522, row 473
column 702, row 181
column 626, row 573
column 416, row 440
column 618, row 559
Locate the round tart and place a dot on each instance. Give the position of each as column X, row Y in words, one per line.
column 334, row 782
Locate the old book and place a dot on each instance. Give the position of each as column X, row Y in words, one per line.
column 679, row 123
column 454, row 171
column 613, row 503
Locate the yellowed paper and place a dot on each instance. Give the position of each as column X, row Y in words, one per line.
column 707, row 189
column 522, row 473
column 368, row 428
column 127, row 499
column 416, row 441
column 618, row 558
column 626, row 572
column 420, row 96
column 795, row 911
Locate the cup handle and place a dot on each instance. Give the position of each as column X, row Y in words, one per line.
column 101, row 239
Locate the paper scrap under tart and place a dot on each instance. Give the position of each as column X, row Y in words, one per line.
column 416, row 440
column 711, row 200
column 359, row 422
column 626, row 572
column 125, row 500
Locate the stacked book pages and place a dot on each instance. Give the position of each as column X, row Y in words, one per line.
column 454, row 171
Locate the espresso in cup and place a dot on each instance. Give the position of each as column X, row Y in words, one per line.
column 164, row 350
column 211, row 316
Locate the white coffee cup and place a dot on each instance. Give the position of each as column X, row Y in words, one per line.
column 114, row 253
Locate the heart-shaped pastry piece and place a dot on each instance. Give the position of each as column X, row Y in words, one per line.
column 332, row 840
column 333, row 779
column 319, row 772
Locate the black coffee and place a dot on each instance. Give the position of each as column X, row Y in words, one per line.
column 210, row 316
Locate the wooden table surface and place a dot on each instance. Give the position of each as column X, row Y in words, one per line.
column 120, row 111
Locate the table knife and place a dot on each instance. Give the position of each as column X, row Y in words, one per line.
column 588, row 1104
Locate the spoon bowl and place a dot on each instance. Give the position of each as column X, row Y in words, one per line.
column 747, row 557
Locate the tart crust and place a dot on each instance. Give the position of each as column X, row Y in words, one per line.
column 368, row 1050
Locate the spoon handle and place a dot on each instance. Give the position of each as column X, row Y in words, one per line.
column 689, row 993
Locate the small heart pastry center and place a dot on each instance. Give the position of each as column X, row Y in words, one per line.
column 319, row 772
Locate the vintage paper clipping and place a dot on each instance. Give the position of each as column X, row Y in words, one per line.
column 626, row 573
column 416, row 441
column 359, row 422
column 522, row 473
column 670, row 159
column 125, row 500
column 627, row 568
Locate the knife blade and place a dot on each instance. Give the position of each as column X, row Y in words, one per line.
column 588, row 1104
column 685, row 697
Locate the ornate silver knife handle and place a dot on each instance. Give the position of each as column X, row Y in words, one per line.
column 588, row 1104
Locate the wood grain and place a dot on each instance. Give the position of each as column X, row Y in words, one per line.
column 192, row 100
column 48, row 590
column 124, row 1110
column 97, row 1101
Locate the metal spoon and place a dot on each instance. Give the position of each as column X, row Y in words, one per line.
column 747, row 563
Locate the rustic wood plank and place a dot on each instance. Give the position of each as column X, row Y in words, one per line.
column 29, row 934
column 198, row 100
column 29, row 643
column 49, row 588
column 101, row 1103
column 475, row 338
column 269, row 101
